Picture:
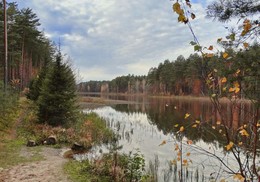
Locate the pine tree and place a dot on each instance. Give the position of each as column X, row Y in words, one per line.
column 57, row 100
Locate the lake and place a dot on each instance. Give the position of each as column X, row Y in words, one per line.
column 152, row 126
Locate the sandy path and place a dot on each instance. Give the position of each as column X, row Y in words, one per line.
column 48, row 170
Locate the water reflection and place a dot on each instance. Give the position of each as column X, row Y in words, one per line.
column 147, row 123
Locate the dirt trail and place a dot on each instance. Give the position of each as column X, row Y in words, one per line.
column 48, row 170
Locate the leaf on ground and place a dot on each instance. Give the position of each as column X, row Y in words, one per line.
column 181, row 129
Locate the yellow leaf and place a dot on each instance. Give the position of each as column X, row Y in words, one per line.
column 186, row 115
column 223, row 80
column 239, row 177
column 197, row 121
column 232, row 89
column 240, row 143
column 213, row 95
column 210, row 48
column 179, row 154
column 194, row 126
column 213, row 127
column 188, row 154
column 178, row 159
column 163, row 143
column 181, row 129
column 258, row 125
column 218, row 122
column 182, row 18
column 238, row 71
column 225, row 55
column 176, row 125
column 237, row 90
column 230, row 145
column 243, row 132
column 176, row 7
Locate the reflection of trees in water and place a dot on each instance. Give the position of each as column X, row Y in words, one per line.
column 166, row 113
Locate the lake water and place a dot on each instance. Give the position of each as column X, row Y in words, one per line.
column 152, row 126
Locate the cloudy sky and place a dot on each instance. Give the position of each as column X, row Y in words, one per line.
column 110, row 38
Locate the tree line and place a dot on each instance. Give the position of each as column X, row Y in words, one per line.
column 186, row 76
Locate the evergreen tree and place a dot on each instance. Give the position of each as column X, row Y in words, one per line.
column 57, row 100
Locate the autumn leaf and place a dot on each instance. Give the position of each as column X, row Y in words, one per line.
column 237, row 90
column 223, row 80
column 232, row 89
column 179, row 154
column 243, row 132
column 186, row 115
column 230, row 145
column 222, row 180
column 213, row 127
column 247, row 26
column 176, row 7
column 194, row 126
column 239, row 177
column 197, row 121
column 218, row 122
column 163, row 143
column 188, row 154
column 210, row 48
column 185, row 162
column 245, row 45
column 240, row 143
column 181, row 129
column 176, row 125
column 258, row 125
column 225, row 55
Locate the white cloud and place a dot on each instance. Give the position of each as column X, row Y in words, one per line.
column 109, row 38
